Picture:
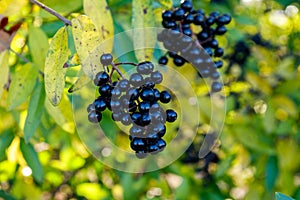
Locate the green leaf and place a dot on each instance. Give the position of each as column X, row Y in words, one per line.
column 272, row 171
column 62, row 114
column 280, row 196
column 32, row 160
column 35, row 110
column 38, row 46
column 100, row 15
column 22, row 84
column 144, row 39
column 6, row 196
column 253, row 140
column 4, row 70
column 54, row 66
column 80, row 82
column 86, row 39
column 5, row 140
column 166, row 3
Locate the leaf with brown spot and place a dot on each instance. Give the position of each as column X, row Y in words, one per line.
column 101, row 16
column 22, row 83
column 4, row 56
column 142, row 22
column 87, row 42
column 54, row 66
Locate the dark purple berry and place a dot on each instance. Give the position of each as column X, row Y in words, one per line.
column 171, row 115
column 216, row 87
column 165, row 97
column 94, row 117
column 101, row 78
column 163, row 60
column 106, row 59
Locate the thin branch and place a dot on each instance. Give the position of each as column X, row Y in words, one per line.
column 20, row 56
column 117, row 69
column 125, row 63
column 52, row 12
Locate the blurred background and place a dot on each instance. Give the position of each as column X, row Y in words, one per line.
column 257, row 153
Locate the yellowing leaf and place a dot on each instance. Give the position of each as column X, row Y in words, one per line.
column 166, row 3
column 4, row 67
column 91, row 191
column 54, row 66
column 86, row 39
column 258, row 83
column 144, row 36
column 100, row 15
column 80, row 82
column 11, row 7
column 62, row 114
column 22, row 84
column 38, row 46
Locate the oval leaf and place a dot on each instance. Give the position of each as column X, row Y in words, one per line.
column 144, row 39
column 62, row 114
column 22, row 84
column 32, row 160
column 5, row 140
column 38, row 46
column 100, row 15
column 54, row 71
column 86, row 39
column 4, row 70
column 35, row 110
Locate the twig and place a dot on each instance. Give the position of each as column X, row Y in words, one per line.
column 125, row 63
column 20, row 55
column 52, row 12
column 117, row 69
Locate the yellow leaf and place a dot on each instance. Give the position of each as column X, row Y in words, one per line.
column 54, row 71
column 86, row 39
column 100, row 15
column 11, row 7
column 62, row 114
column 144, row 36
column 4, row 66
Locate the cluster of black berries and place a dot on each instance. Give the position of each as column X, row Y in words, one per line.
column 185, row 45
column 134, row 101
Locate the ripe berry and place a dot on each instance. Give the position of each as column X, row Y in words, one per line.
column 218, row 64
column 178, row 14
column 101, row 78
column 116, row 92
column 117, row 116
column 186, row 6
column 136, row 131
column 167, row 15
column 169, row 24
column 163, row 60
column 94, row 117
column 145, row 67
column 157, row 77
column 219, row 52
column 216, row 87
column 156, row 94
column 90, row 107
column 147, row 94
column 106, row 59
column 105, row 90
column 171, row 115
column 146, row 119
column 199, row 19
column 224, row 19
column 137, row 144
column 148, row 82
column 144, row 106
column 159, row 129
column 153, row 148
column 178, row 61
column 161, row 144
column 132, row 93
column 126, row 120
column 220, row 30
column 189, row 18
column 136, row 117
column 165, row 97
column 100, row 104
column 136, row 79
column 123, row 85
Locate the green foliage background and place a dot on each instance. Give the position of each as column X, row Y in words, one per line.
column 259, row 145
